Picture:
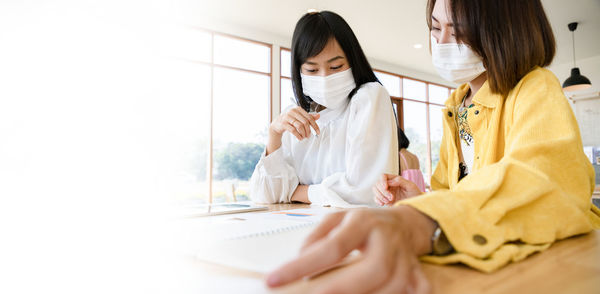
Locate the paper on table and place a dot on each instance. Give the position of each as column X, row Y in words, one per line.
column 258, row 254
column 260, row 242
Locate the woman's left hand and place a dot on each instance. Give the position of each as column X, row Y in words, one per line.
column 391, row 240
column 391, row 188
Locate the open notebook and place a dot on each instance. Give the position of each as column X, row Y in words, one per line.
column 259, row 242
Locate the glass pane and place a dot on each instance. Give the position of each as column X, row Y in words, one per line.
column 286, row 63
column 240, row 122
column 390, row 82
column 242, row 54
column 287, row 94
column 415, row 128
column 187, row 43
column 413, row 89
column 436, row 130
column 438, row 94
column 396, row 104
column 184, row 129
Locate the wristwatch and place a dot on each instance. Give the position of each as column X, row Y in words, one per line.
column 439, row 243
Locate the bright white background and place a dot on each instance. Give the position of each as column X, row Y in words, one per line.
column 79, row 148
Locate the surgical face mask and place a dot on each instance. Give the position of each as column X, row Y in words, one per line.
column 456, row 62
column 330, row 91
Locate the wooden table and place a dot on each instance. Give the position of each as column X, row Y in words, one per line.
column 569, row 266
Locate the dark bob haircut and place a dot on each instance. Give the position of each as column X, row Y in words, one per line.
column 311, row 34
column 403, row 141
column 511, row 36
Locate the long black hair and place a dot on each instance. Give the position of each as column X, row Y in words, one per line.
column 403, row 141
column 311, row 34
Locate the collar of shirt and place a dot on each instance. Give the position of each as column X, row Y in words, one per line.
column 483, row 97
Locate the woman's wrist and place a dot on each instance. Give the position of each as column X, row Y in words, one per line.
column 274, row 141
column 273, row 132
column 300, row 194
column 418, row 226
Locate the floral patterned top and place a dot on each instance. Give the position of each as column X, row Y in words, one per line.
column 464, row 130
column 466, row 138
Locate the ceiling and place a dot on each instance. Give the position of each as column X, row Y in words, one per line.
column 388, row 29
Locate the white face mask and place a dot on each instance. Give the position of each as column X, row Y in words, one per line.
column 456, row 62
column 330, row 91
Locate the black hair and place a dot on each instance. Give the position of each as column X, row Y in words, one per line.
column 311, row 34
column 403, row 141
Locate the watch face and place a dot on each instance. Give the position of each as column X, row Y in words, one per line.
column 441, row 245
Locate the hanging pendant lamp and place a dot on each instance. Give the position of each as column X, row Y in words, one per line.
column 576, row 81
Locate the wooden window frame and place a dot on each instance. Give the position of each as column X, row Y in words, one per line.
column 212, row 66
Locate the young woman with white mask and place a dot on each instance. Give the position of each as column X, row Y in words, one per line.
column 528, row 183
column 332, row 147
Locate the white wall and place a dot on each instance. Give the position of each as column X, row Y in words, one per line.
column 587, row 111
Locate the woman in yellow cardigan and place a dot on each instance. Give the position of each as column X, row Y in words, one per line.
column 512, row 177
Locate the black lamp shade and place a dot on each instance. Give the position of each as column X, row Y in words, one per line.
column 576, row 81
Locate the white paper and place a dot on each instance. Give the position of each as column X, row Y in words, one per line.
column 258, row 242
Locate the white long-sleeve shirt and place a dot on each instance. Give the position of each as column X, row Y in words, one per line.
column 358, row 143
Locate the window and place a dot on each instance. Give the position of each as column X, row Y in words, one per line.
column 216, row 114
column 287, row 94
column 286, row 63
column 413, row 89
column 418, row 105
column 390, row 82
column 287, row 97
column 438, row 94
column 435, row 133
column 415, row 128
column 240, row 122
column 242, row 54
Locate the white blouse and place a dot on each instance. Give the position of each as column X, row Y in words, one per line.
column 358, row 143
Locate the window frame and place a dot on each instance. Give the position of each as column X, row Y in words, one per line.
column 282, row 76
column 212, row 65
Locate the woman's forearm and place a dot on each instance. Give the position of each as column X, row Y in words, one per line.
column 301, row 194
column 274, row 142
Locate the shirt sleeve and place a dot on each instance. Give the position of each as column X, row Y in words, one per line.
column 371, row 150
column 537, row 193
column 274, row 179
